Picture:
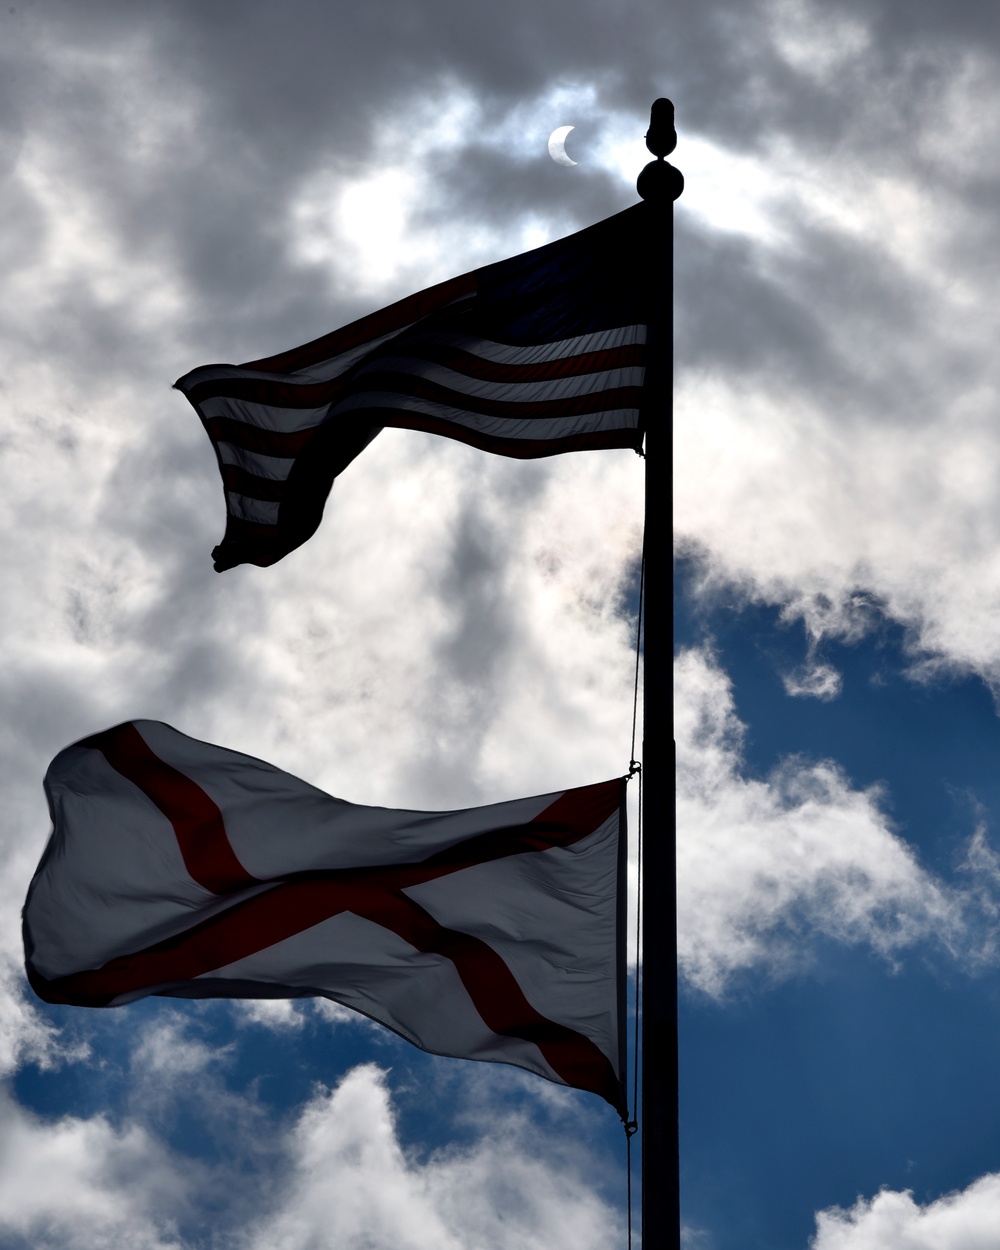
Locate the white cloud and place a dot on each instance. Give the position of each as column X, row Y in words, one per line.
column 832, row 504
column 166, row 1052
column 334, row 1013
column 24, row 1036
column 278, row 1014
column 964, row 1220
column 84, row 1185
column 337, row 1175
column 815, row 41
column 765, row 865
column 813, row 681
column 352, row 1185
column 284, row 1014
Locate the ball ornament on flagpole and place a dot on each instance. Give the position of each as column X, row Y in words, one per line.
column 659, row 182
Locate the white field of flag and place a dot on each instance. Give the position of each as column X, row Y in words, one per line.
column 179, row 868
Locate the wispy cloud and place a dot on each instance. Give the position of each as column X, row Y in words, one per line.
column 767, row 866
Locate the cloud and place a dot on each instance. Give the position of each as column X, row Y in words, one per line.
column 836, row 391
column 277, row 1014
column 77, row 1184
column 965, row 1220
column 352, row 1184
column 765, row 866
column 815, row 681
column 335, row 1172
column 166, row 1052
column 24, row 1036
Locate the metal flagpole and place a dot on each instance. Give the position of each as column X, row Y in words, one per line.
column 659, row 184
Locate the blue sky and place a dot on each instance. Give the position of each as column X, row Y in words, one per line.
column 185, row 182
column 864, row 1065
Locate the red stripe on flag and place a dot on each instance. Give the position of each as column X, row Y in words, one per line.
column 286, row 445
column 196, row 819
column 272, row 392
column 240, row 480
column 570, row 817
column 496, row 995
column 407, row 386
column 471, row 365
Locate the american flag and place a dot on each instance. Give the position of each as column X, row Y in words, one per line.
column 540, row 354
column 180, row 868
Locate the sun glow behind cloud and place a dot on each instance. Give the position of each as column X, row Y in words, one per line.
column 372, row 227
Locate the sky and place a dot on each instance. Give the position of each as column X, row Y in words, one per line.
column 184, row 183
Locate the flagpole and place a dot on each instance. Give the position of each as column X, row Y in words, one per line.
column 659, row 184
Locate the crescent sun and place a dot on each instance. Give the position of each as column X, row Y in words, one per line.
column 557, row 145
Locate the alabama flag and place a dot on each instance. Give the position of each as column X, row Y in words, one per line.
column 179, row 868
column 539, row 354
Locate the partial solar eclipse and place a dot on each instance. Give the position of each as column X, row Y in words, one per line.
column 557, row 145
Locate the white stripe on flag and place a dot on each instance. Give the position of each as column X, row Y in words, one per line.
column 547, row 391
column 500, row 427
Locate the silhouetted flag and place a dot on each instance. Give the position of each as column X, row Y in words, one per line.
column 540, row 354
column 179, row 868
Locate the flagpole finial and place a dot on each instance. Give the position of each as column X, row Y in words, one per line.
column 660, row 181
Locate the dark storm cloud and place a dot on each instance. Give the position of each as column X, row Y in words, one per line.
column 474, row 651
column 484, row 185
column 480, row 627
column 725, row 329
column 244, row 101
column 273, row 96
column 959, row 24
column 282, row 87
column 12, row 124
column 740, row 312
